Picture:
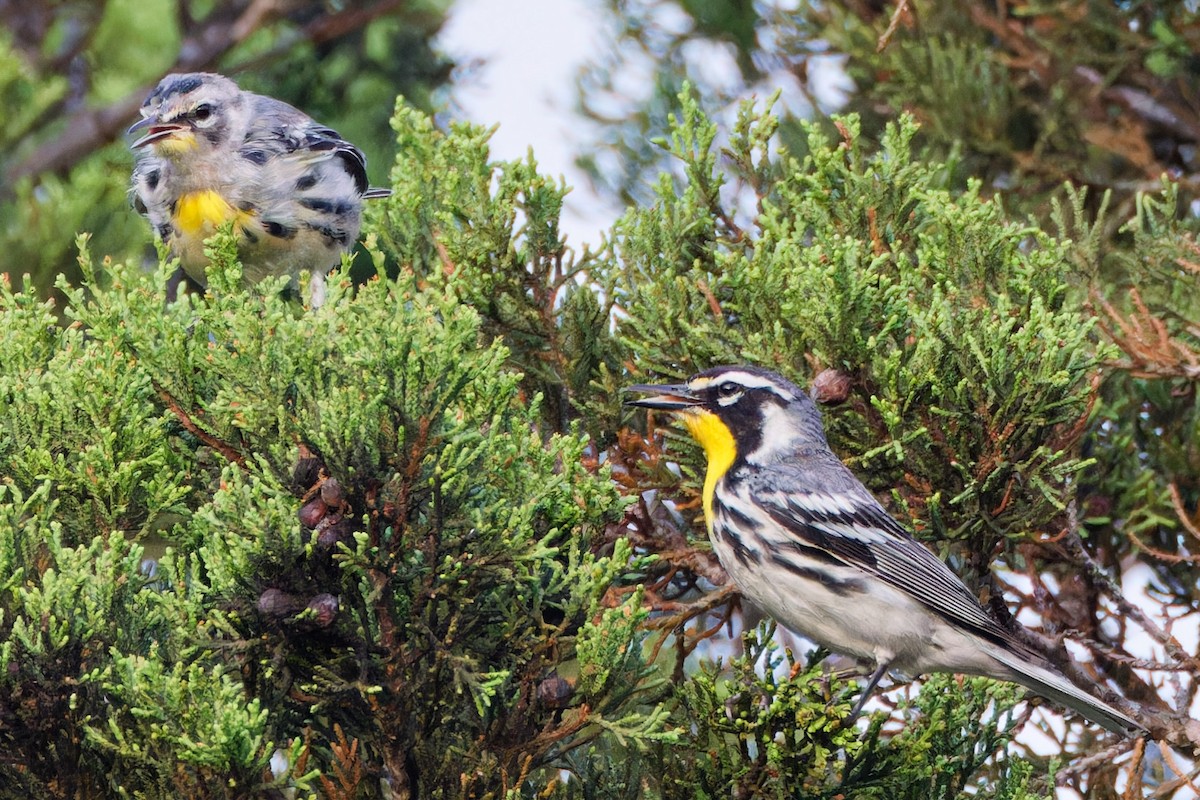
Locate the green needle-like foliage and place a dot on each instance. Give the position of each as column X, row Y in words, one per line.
column 447, row 578
column 967, row 353
column 403, row 545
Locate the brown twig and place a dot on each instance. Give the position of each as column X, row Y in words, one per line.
column 877, row 245
column 346, row 767
column 713, row 305
column 685, row 643
column 689, row 611
column 1097, row 760
column 1188, row 779
column 1138, row 755
column 1144, row 338
column 1129, row 610
column 1184, row 519
column 227, row 450
column 900, row 12
column 1161, row 555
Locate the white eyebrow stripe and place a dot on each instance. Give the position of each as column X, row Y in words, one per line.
column 747, row 379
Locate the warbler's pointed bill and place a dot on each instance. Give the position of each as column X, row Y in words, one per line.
column 144, row 122
column 157, row 133
column 668, row 397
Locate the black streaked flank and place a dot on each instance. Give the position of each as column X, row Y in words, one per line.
column 326, row 206
column 333, row 236
column 807, row 551
column 743, row 553
column 842, row 588
column 306, row 182
column 741, row 522
column 254, row 156
column 152, row 179
column 745, row 521
column 896, row 559
column 278, row 229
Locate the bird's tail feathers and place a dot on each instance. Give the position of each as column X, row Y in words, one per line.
column 1056, row 687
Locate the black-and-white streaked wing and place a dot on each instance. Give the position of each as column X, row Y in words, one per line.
column 858, row 532
column 301, row 138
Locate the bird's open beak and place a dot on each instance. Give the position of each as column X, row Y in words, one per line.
column 673, row 397
column 157, row 130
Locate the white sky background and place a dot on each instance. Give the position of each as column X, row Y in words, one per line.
column 519, row 64
column 529, row 55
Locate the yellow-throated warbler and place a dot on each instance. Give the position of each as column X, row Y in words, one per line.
column 212, row 153
column 803, row 538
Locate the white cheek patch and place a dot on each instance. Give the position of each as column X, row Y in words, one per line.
column 778, row 434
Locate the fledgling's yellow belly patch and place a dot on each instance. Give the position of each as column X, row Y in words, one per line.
column 199, row 213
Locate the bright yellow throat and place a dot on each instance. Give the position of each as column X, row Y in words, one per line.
column 719, row 447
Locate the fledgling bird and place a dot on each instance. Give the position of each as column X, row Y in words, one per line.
column 211, row 153
column 802, row 537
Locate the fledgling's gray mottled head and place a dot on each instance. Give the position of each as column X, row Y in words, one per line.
column 191, row 113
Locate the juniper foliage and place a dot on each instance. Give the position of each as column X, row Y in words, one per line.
column 384, row 566
column 447, row 581
column 967, row 354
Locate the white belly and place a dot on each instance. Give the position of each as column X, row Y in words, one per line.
column 845, row 612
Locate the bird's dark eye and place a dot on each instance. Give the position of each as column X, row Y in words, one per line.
column 202, row 112
column 729, row 389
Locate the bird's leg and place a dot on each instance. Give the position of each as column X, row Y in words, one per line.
column 867, row 690
column 177, row 277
